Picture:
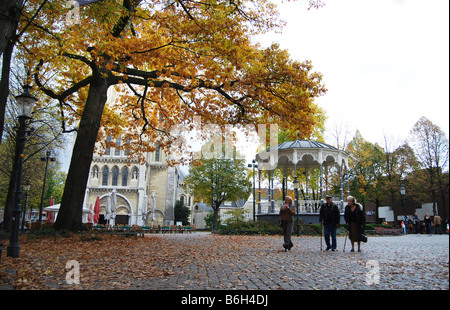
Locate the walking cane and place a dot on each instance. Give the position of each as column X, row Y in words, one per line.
column 345, row 241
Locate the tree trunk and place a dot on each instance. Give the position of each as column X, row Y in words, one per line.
column 10, row 198
column 216, row 214
column 70, row 213
column 8, row 26
column 4, row 84
column 10, row 10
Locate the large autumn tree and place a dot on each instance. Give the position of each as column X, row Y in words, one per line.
column 168, row 62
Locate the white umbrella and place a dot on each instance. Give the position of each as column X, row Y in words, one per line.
column 113, row 204
column 108, row 207
column 55, row 208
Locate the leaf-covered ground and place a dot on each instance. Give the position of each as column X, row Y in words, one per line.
column 113, row 263
column 203, row 261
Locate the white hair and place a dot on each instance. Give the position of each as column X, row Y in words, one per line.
column 351, row 198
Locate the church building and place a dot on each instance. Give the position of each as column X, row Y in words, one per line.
column 145, row 194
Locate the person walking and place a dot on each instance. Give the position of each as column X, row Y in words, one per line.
column 437, row 224
column 287, row 222
column 405, row 225
column 330, row 218
column 416, row 223
column 355, row 219
column 427, row 221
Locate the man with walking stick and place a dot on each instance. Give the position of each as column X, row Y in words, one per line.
column 330, row 218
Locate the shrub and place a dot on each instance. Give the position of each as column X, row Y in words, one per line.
column 250, row 228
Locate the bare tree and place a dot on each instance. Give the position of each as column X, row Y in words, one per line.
column 431, row 147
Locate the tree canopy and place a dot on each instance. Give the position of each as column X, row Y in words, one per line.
column 168, row 62
column 225, row 178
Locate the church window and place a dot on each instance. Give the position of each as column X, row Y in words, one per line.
column 157, row 152
column 117, row 150
column 115, row 176
column 108, row 150
column 105, row 173
column 125, row 176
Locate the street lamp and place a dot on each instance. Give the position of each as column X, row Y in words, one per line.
column 26, row 189
column 253, row 165
column 403, row 193
column 296, row 187
column 44, row 158
column 25, row 103
column 214, row 209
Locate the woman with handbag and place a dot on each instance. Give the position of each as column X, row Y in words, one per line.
column 355, row 219
column 287, row 222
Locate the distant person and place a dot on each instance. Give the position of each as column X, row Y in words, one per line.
column 403, row 225
column 416, row 223
column 355, row 219
column 287, row 222
column 437, row 224
column 427, row 221
column 330, row 218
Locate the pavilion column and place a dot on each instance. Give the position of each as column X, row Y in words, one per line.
column 272, row 201
column 321, row 181
column 259, row 191
column 306, row 189
column 326, row 180
column 341, row 185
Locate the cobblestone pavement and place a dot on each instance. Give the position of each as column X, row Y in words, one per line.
column 202, row 261
column 411, row 262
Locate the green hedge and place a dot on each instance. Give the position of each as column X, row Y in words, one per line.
column 250, row 228
column 267, row 228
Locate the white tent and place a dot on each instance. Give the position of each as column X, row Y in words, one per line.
column 55, row 208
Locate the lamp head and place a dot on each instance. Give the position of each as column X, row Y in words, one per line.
column 25, row 102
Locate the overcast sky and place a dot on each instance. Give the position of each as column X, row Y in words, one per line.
column 385, row 62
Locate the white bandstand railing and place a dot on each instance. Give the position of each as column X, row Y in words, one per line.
column 306, row 206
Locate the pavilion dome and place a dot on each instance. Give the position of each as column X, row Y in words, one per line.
column 304, row 144
column 302, row 154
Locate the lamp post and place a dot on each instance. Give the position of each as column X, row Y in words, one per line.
column 44, row 158
column 296, row 186
column 214, row 209
column 403, row 193
column 254, row 185
column 25, row 103
column 26, row 189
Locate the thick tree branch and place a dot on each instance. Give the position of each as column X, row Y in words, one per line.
column 65, row 93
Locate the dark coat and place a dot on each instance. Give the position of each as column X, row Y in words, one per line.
column 287, row 213
column 329, row 217
column 359, row 216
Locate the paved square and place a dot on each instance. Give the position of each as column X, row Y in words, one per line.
column 203, row 261
column 412, row 262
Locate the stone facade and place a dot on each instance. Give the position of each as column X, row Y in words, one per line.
column 134, row 184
